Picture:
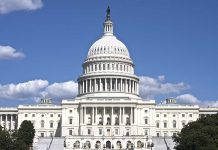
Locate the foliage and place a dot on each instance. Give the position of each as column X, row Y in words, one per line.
column 17, row 140
column 199, row 135
column 26, row 133
column 5, row 140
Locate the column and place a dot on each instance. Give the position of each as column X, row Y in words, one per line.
column 131, row 118
column 100, row 85
column 11, row 122
column 111, row 84
column 81, row 115
column 126, row 90
column 123, row 115
column 116, row 86
column 6, row 121
column 121, row 85
column 103, row 119
column 120, row 117
column 86, row 85
column 83, row 87
column 85, row 115
column 96, row 113
column 112, row 119
column 93, row 113
column 105, row 84
column 95, row 85
column 132, row 115
column 89, row 87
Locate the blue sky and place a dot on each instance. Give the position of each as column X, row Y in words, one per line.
column 174, row 45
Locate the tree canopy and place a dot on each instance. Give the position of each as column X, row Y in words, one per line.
column 17, row 140
column 199, row 135
column 26, row 132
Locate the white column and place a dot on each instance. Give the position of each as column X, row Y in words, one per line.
column 116, row 86
column 132, row 115
column 83, row 87
column 85, row 115
column 89, row 88
column 6, row 121
column 123, row 121
column 100, row 85
column 0, row 119
column 93, row 113
column 126, row 90
column 86, row 85
column 112, row 116
column 120, row 117
column 111, row 84
column 104, row 116
column 131, row 118
column 95, row 85
column 121, row 85
column 11, row 122
column 81, row 115
column 96, row 110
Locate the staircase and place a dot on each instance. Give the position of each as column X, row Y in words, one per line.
column 50, row 143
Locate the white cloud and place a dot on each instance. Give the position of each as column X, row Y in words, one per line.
column 67, row 89
column 7, row 6
column 26, row 90
column 151, row 87
column 190, row 99
column 8, row 52
column 187, row 99
column 37, row 89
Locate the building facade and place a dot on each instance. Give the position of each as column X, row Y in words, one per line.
column 108, row 111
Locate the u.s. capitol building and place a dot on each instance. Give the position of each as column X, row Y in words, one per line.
column 108, row 111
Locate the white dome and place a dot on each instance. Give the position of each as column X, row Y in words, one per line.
column 108, row 45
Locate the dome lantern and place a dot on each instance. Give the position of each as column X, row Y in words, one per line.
column 108, row 24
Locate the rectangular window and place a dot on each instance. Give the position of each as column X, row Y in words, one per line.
column 116, row 131
column 26, row 115
column 70, row 121
column 59, row 115
column 146, row 132
column 183, row 115
column 70, row 132
column 157, row 124
column 190, row 115
column 51, row 115
column 51, row 125
column 165, row 124
column 89, row 131
column 70, row 111
column 42, row 134
column 157, row 115
column 146, row 121
column 33, row 115
column 146, row 110
column 100, row 131
column 165, row 115
column 158, row 134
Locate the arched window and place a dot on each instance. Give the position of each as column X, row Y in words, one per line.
column 174, row 123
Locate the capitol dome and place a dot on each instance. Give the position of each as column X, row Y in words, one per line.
column 108, row 45
column 108, row 69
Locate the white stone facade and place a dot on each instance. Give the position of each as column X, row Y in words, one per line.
column 108, row 111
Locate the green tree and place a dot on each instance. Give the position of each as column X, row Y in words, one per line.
column 6, row 142
column 199, row 135
column 26, row 133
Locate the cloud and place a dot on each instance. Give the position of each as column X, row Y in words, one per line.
column 30, row 89
column 8, row 52
column 7, row 6
column 191, row 99
column 187, row 99
column 151, row 87
column 37, row 89
column 67, row 89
